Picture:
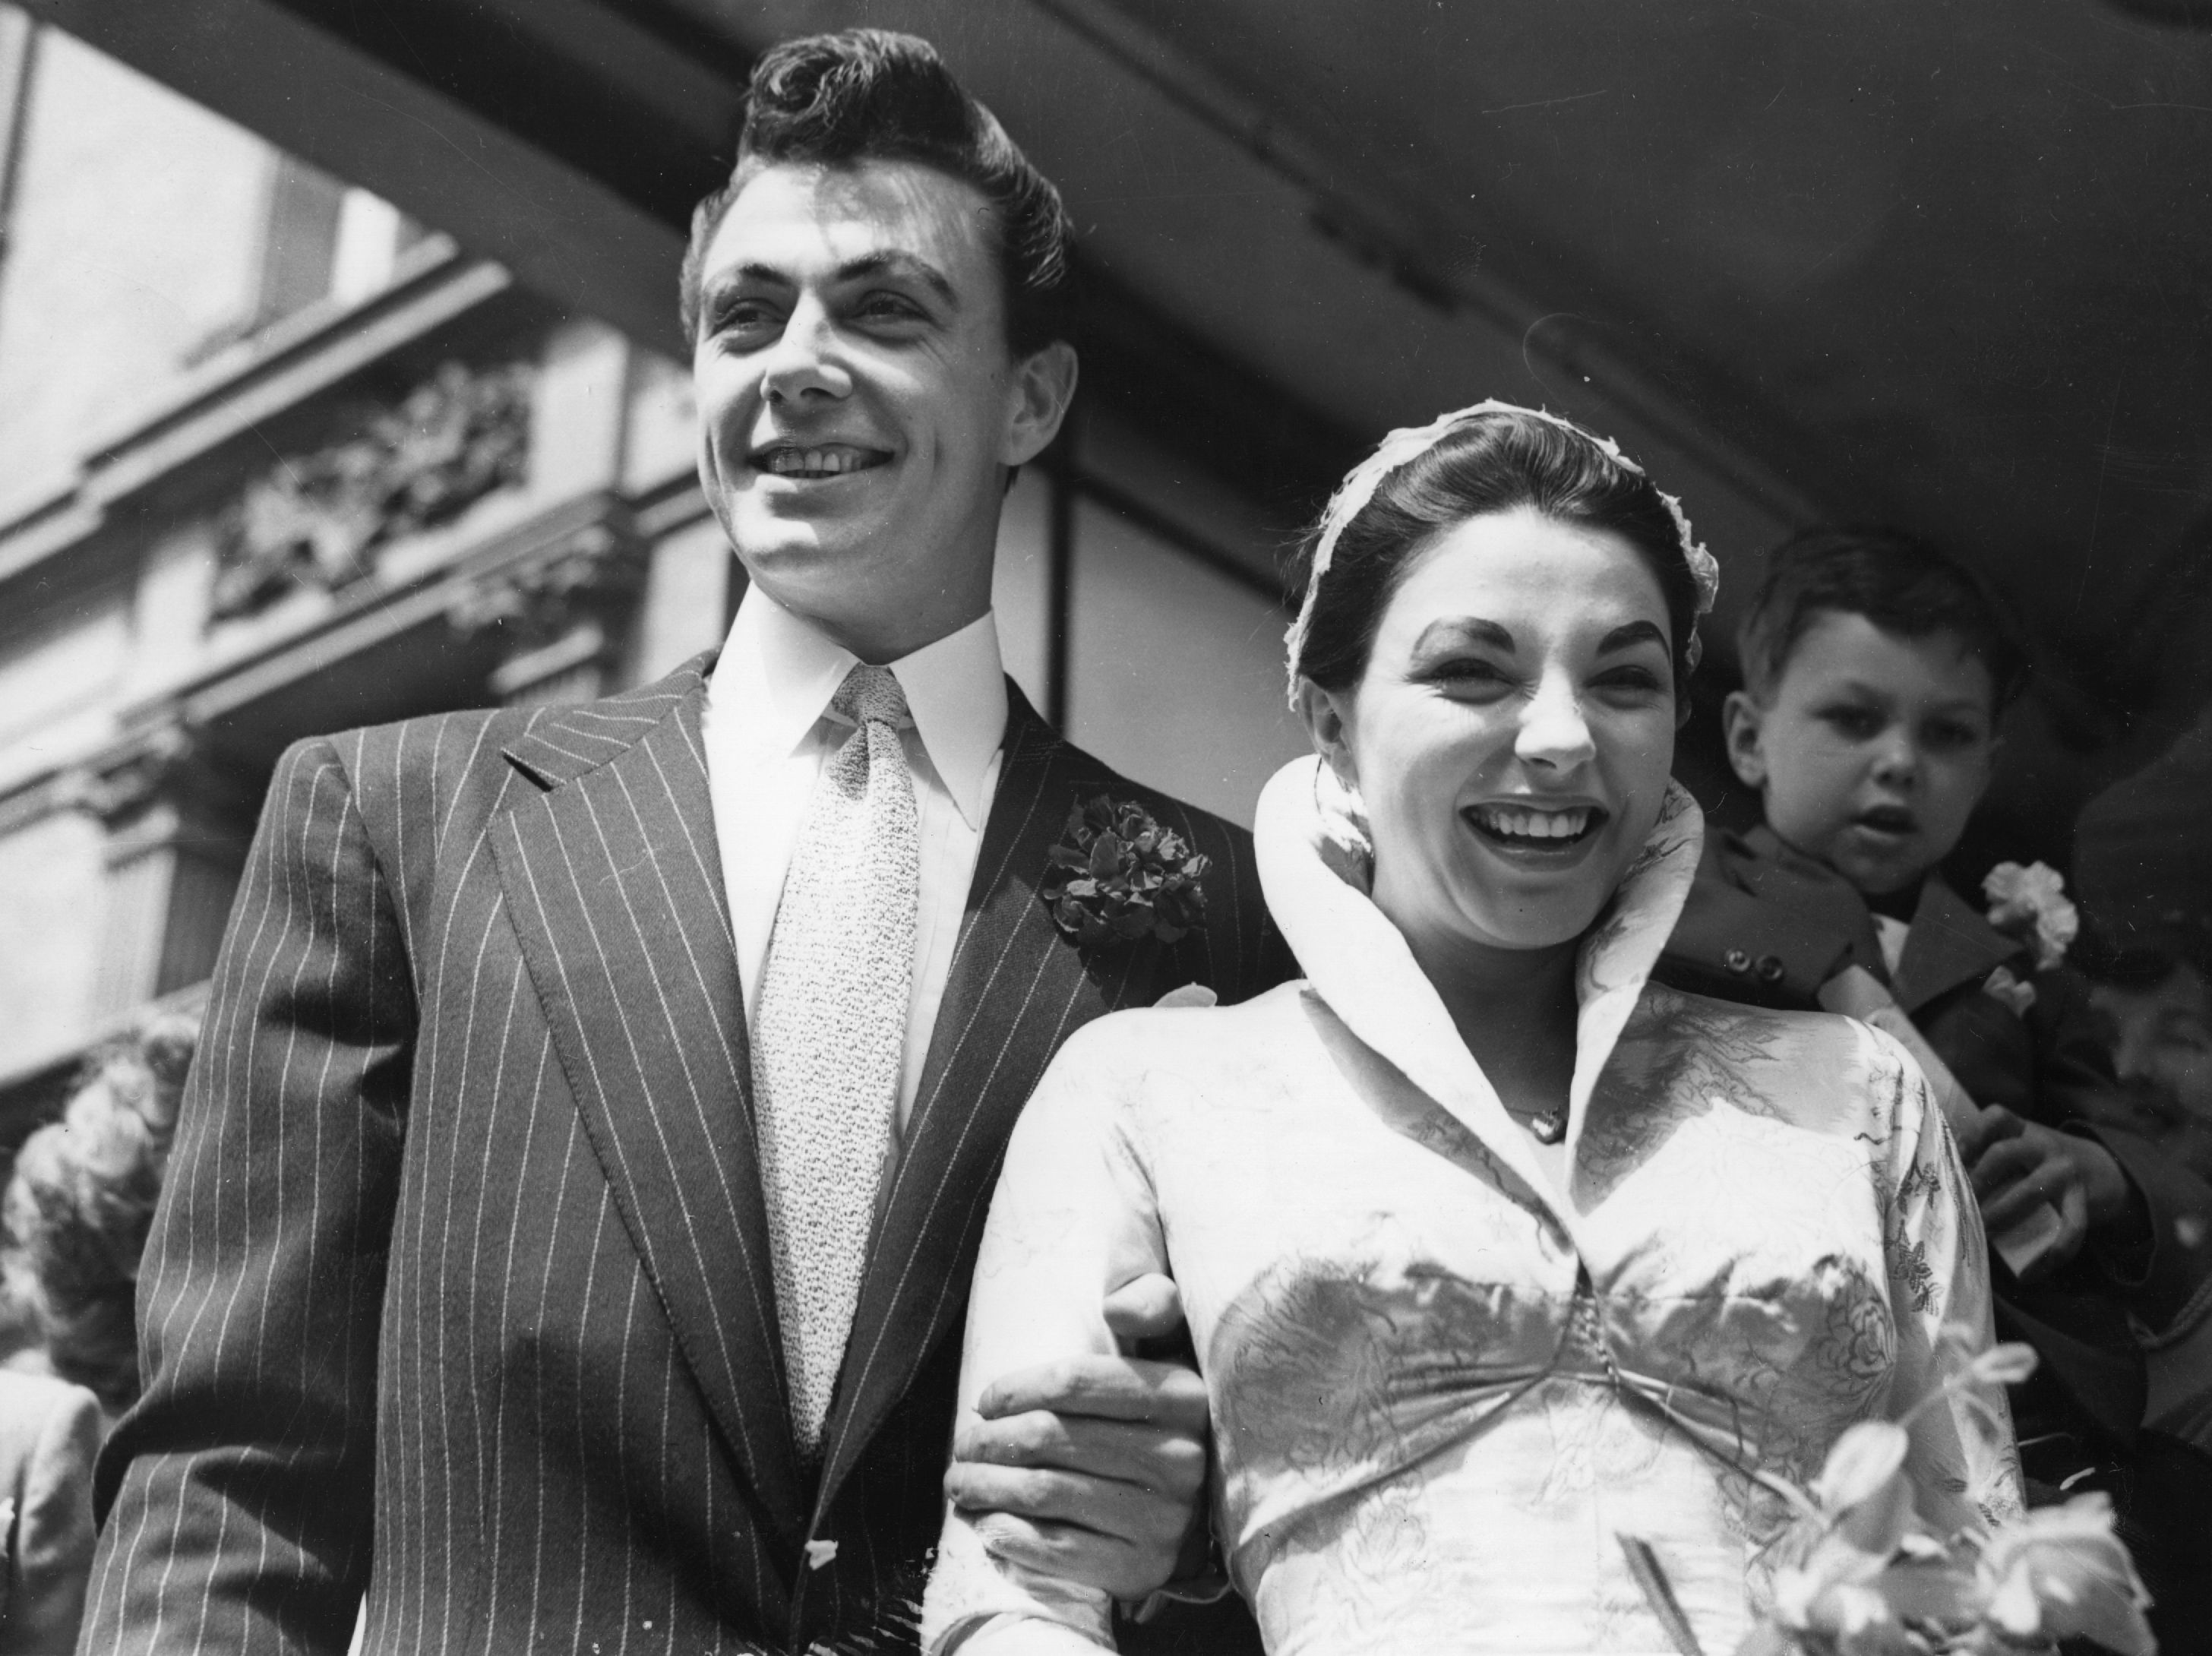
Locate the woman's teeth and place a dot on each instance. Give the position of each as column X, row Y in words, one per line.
column 1531, row 824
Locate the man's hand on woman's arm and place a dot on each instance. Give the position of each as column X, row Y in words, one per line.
column 1092, row 1468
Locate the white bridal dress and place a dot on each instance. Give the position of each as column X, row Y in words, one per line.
column 1441, row 1388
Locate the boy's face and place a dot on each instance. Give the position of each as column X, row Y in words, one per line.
column 1873, row 750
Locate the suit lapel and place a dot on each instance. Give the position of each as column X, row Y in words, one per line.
column 615, row 882
column 1948, row 945
column 1017, row 988
column 1776, row 874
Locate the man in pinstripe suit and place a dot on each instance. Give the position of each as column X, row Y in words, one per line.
column 463, row 1297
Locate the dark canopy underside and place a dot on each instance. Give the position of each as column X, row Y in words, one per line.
column 1948, row 264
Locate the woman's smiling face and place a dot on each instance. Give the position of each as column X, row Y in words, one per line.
column 1512, row 733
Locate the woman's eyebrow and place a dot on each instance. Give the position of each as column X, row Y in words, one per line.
column 1636, row 632
column 1465, row 629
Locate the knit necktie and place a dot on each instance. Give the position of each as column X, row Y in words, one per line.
column 830, row 1035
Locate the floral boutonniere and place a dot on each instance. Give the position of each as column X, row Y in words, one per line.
column 2030, row 905
column 1117, row 875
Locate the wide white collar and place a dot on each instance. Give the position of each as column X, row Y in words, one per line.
column 777, row 674
column 1359, row 962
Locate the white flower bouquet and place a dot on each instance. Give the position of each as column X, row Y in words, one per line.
column 1871, row 1579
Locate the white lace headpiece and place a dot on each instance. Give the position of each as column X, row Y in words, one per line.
column 1409, row 443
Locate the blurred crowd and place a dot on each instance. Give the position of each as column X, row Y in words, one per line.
column 2143, row 864
column 74, row 1218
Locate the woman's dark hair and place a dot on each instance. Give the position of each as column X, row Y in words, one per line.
column 80, row 1203
column 1494, row 461
column 867, row 94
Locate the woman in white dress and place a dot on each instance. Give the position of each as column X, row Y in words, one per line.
column 1494, row 1252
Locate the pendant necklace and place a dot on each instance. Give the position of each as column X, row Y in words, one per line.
column 1549, row 1127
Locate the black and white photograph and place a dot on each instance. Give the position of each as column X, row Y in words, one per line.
column 1019, row 827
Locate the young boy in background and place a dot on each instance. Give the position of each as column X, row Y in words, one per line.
column 1875, row 671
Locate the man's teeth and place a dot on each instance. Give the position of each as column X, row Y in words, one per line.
column 1533, row 825
column 814, row 462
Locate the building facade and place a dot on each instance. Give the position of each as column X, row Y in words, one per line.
column 276, row 460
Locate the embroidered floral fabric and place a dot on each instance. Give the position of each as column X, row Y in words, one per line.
column 1442, row 1386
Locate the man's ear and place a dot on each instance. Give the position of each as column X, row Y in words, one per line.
column 1329, row 722
column 1740, row 718
column 1043, row 389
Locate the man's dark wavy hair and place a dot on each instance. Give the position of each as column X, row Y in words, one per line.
column 1901, row 583
column 867, row 94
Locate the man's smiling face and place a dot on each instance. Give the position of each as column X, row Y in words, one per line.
column 857, row 402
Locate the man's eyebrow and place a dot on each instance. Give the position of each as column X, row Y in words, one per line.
column 1471, row 628
column 737, row 276
column 1636, row 632
column 896, row 262
column 891, row 262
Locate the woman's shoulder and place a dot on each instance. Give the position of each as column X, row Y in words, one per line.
column 1817, row 1068
column 1144, row 1051
column 1118, row 1071
column 1687, row 1015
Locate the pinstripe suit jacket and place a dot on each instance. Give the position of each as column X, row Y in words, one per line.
column 459, row 1292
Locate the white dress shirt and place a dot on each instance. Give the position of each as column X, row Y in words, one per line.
column 1891, row 935
column 768, row 729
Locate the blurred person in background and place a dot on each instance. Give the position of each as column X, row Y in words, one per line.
column 78, row 1206
column 49, row 1432
column 75, row 1216
column 2158, row 1004
column 2141, row 863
